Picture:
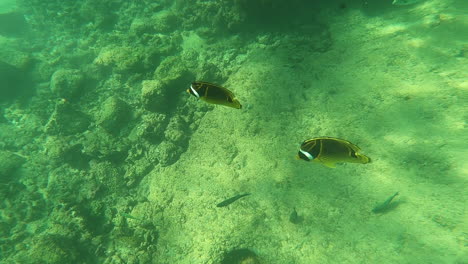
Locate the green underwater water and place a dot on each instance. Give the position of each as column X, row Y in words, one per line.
column 105, row 158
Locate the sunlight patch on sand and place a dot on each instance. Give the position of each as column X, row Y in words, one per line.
column 400, row 139
column 392, row 29
column 461, row 85
column 416, row 43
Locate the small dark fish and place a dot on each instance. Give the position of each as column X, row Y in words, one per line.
column 385, row 206
column 294, row 217
column 129, row 216
column 405, row 2
column 231, row 200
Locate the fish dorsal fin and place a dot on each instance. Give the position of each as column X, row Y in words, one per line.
column 348, row 144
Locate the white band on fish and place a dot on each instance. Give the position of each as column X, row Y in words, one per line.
column 194, row 92
column 307, row 154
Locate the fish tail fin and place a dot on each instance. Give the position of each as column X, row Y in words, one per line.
column 236, row 104
column 364, row 159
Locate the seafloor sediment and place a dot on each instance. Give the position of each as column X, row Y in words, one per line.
column 106, row 159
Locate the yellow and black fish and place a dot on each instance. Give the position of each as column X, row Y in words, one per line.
column 214, row 94
column 329, row 151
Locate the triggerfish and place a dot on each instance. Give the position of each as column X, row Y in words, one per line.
column 329, row 151
column 214, row 94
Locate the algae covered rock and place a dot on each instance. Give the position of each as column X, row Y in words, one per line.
column 65, row 185
column 21, row 60
column 66, row 120
column 136, row 171
column 176, row 74
column 176, row 130
column 141, row 26
column 121, row 59
column 171, row 79
column 107, row 176
column 166, row 153
column 9, row 163
column 173, row 68
column 151, row 128
column 103, row 146
column 240, row 256
column 165, row 21
column 114, row 115
column 61, row 150
column 153, row 95
column 160, row 22
column 67, row 83
column 53, row 249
